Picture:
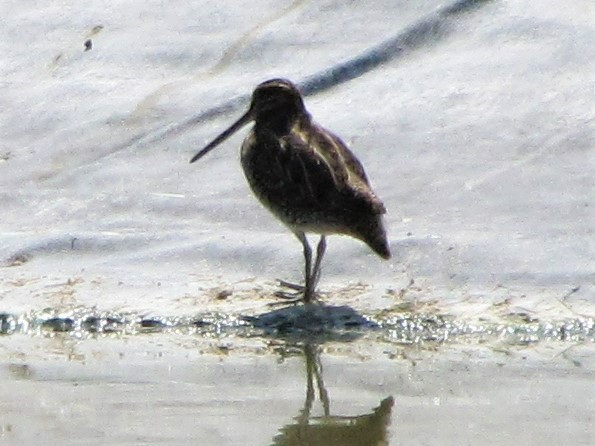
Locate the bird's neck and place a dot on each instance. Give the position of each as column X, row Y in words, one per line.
column 281, row 124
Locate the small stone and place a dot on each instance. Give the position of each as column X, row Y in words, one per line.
column 223, row 294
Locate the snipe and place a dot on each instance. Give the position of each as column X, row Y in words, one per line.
column 306, row 176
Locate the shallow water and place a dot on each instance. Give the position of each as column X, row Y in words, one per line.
column 180, row 388
column 324, row 375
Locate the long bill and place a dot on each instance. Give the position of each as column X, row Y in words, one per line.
column 223, row 136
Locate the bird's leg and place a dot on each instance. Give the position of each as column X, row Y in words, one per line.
column 311, row 275
column 301, row 292
column 312, row 280
column 320, row 250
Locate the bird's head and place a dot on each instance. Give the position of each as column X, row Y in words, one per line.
column 276, row 101
column 275, row 106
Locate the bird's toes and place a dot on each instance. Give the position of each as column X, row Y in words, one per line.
column 291, row 286
column 298, row 293
column 288, row 298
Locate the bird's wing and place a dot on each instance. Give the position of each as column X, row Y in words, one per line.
column 328, row 170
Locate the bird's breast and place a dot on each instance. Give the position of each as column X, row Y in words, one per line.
column 264, row 164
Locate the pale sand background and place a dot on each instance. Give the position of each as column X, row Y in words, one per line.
column 476, row 128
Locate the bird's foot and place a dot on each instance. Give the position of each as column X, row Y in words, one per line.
column 292, row 286
column 287, row 299
column 298, row 295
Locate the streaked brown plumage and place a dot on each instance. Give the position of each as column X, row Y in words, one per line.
column 305, row 175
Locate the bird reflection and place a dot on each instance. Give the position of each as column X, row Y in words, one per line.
column 332, row 430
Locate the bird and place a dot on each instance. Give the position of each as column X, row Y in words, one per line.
column 305, row 176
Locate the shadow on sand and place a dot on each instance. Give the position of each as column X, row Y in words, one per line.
column 312, row 323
